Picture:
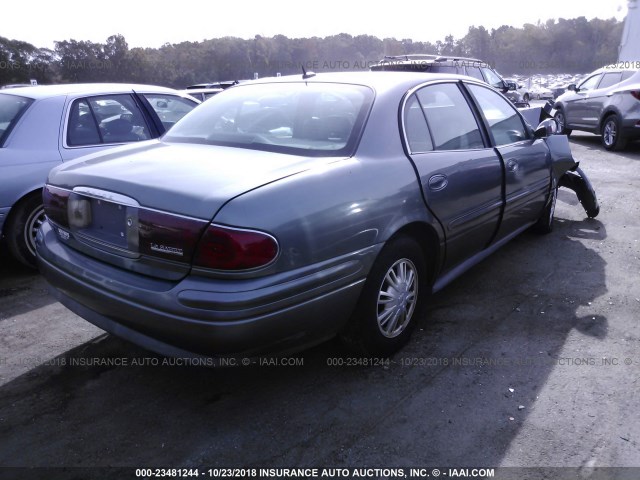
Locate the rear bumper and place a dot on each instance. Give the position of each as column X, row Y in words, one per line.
column 200, row 316
column 631, row 128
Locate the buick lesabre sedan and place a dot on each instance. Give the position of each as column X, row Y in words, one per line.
column 286, row 211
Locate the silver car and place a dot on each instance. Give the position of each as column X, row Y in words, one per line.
column 607, row 103
column 285, row 211
column 40, row 127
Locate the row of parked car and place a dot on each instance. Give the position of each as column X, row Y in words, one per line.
column 278, row 213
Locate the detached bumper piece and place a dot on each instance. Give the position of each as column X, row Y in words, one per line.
column 577, row 181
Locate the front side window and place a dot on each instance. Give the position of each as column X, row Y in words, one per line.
column 311, row 119
column 492, row 78
column 449, row 117
column 11, row 109
column 504, row 122
column 590, row 83
column 105, row 119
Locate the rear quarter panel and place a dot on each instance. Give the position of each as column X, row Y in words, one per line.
column 30, row 151
column 330, row 211
column 344, row 205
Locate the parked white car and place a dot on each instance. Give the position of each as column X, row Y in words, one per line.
column 43, row 126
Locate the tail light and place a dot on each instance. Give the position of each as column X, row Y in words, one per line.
column 165, row 235
column 635, row 93
column 225, row 248
column 55, row 202
column 168, row 236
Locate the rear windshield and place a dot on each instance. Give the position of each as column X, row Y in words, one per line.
column 311, row 119
column 11, row 108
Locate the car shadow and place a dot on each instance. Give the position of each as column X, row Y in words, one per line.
column 593, row 142
column 485, row 346
column 21, row 288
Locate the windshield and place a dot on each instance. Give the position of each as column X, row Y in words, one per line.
column 11, row 108
column 312, row 119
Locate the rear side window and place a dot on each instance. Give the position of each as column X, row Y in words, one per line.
column 627, row 74
column 11, row 109
column 436, row 68
column 105, row 119
column 504, row 122
column 450, row 120
column 609, row 79
column 170, row 108
column 474, row 72
column 416, row 128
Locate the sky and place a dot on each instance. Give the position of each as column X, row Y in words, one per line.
column 146, row 24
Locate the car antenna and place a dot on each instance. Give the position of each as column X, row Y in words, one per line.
column 306, row 74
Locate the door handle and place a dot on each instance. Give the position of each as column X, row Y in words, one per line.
column 512, row 165
column 437, row 182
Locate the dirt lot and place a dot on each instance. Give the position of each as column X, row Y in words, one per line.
column 531, row 359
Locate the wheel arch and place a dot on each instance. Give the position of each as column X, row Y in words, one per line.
column 12, row 211
column 605, row 115
column 429, row 241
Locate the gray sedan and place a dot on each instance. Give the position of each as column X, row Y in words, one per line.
column 41, row 127
column 285, row 211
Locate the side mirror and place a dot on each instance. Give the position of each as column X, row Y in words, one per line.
column 162, row 104
column 512, row 86
column 573, row 87
column 546, row 128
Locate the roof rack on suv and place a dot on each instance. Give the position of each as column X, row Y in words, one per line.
column 434, row 58
column 473, row 67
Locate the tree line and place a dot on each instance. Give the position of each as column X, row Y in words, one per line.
column 556, row 46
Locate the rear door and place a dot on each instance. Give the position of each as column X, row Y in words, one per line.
column 461, row 176
column 97, row 122
column 526, row 160
column 594, row 103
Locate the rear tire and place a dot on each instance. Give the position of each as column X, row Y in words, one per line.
column 612, row 138
column 26, row 218
column 390, row 301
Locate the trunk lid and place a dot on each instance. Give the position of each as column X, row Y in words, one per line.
column 145, row 207
column 187, row 179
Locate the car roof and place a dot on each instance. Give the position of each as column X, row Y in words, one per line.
column 428, row 57
column 378, row 80
column 45, row 91
column 189, row 91
column 613, row 69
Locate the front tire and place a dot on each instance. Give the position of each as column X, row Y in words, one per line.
column 561, row 121
column 612, row 138
column 545, row 222
column 390, row 301
column 26, row 218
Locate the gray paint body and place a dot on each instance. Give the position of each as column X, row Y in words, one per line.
column 330, row 216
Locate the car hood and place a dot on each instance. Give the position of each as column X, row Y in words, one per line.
column 187, row 179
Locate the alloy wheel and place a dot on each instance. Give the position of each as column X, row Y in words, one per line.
column 397, row 298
